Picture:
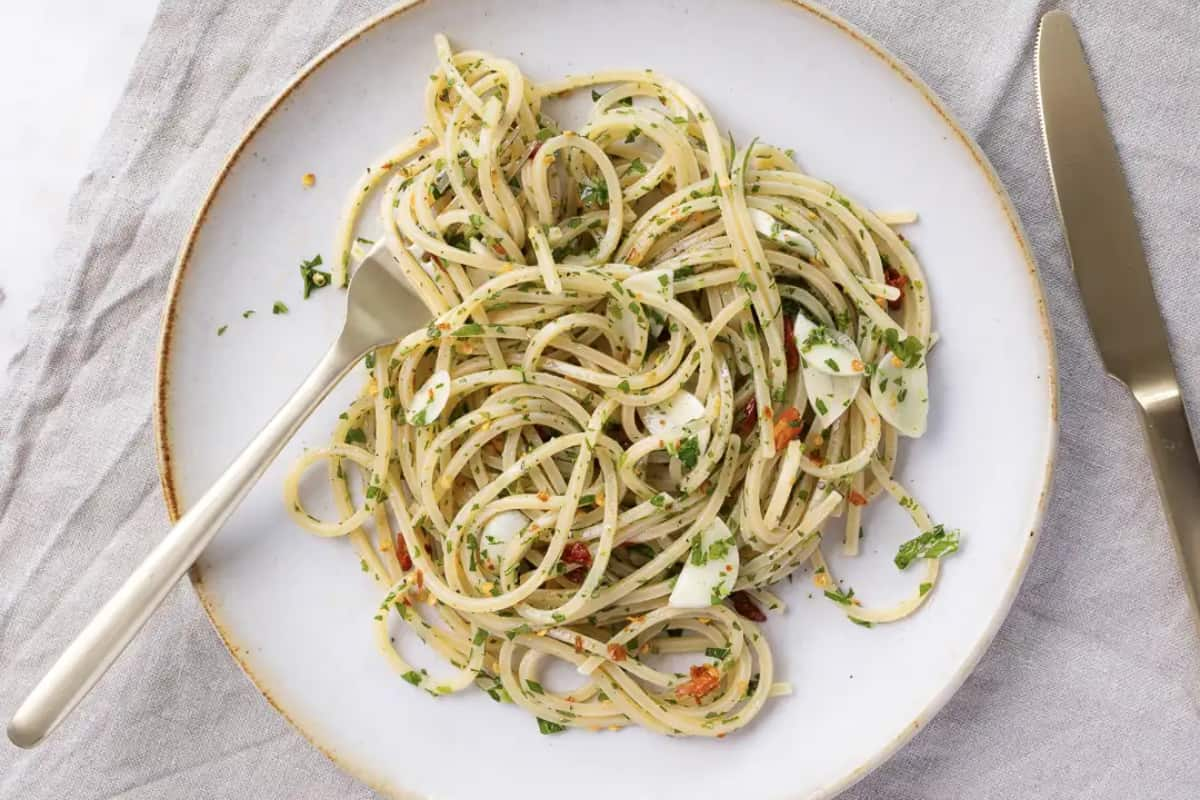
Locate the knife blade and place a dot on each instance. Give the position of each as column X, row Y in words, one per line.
column 1110, row 267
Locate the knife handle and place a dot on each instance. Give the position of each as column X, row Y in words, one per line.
column 1177, row 470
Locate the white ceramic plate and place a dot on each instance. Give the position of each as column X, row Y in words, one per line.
column 296, row 611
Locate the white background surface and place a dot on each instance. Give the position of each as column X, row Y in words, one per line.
column 53, row 116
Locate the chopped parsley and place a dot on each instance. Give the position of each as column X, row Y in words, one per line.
column 313, row 278
column 688, row 451
column 933, row 543
column 247, row 314
column 356, row 436
column 909, row 350
column 840, row 597
column 594, row 192
column 470, row 329
column 221, row 330
column 279, row 308
column 547, row 727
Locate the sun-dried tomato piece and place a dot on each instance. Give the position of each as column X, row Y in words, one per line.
column 787, row 427
column 577, row 553
column 789, row 345
column 893, row 277
column 705, row 678
column 745, row 605
column 402, row 553
column 744, row 425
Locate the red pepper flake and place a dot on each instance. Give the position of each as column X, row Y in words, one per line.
column 617, row 652
column 705, row 678
column 817, row 459
column 420, row 581
column 577, row 553
column 576, row 575
column 578, row 643
column 893, row 277
column 789, row 345
column 745, row 605
column 787, row 427
column 402, row 553
column 857, row 499
column 745, row 423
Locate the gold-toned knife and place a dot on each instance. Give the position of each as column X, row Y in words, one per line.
column 1110, row 267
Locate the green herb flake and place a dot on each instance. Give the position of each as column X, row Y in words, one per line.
column 547, row 727
column 594, row 192
column 933, row 543
column 840, row 597
column 909, row 350
column 279, row 308
column 313, row 278
column 688, row 452
column 470, row 329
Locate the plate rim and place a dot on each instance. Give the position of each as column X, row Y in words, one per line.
column 364, row 773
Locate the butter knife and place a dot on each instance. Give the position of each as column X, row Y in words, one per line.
column 1114, row 279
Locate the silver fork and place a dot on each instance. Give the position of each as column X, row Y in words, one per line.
column 380, row 309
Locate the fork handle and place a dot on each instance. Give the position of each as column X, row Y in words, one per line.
column 92, row 652
column 1177, row 471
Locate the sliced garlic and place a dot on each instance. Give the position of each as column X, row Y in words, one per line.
column 901, row 394
column 829, row 395
column 710, row 569
column 667, row 419
column 659, row 282
column 430, row 400
column 498, row 532
column 826, row 349
column 770, row 228
column 419, row 253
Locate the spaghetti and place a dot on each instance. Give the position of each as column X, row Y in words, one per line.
column 658, row 364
